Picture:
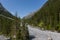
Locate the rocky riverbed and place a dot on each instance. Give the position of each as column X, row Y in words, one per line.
column 37, row 34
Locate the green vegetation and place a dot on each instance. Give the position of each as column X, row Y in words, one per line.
column 10, row 26
column 47, row 17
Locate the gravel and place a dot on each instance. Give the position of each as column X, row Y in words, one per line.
column 42, row 35
column 2, row 37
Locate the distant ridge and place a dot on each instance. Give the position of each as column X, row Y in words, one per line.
column 4, row 12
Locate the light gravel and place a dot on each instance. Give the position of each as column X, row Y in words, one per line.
column 42, row 35
column 2, row 37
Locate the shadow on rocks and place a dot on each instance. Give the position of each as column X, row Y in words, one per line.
column 31, row 37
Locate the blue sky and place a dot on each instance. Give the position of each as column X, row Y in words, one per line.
column 22, row 7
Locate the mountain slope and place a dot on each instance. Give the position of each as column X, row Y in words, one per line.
column 5, row 12
column 48, row 17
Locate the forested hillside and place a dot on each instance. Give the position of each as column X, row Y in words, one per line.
column 48, row 17
column 10, row 26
